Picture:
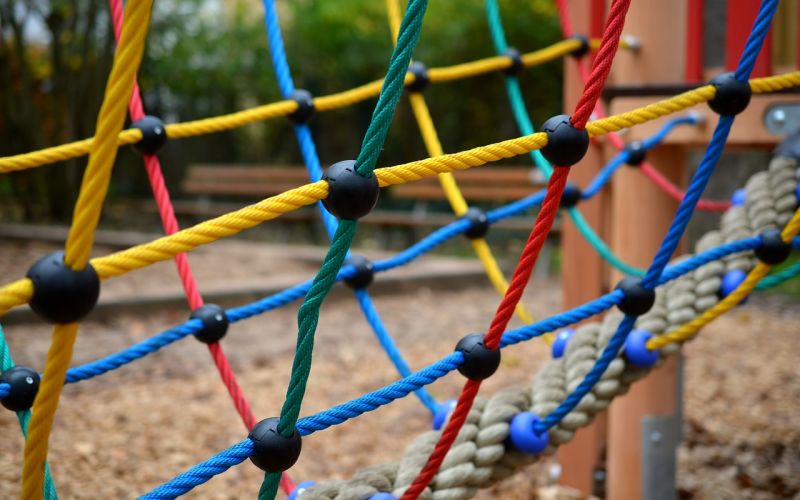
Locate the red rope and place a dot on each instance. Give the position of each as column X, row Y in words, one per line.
column 647, row 168
column 602, row 63
column 530, row 253
column 170, row 224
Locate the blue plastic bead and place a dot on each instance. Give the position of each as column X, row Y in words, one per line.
column 522, row 435
column 442, row 412
column 731, row 282
column 636, row 351
column 560, row 343
column 739, row 197
column 295, row 494
column 383, row 496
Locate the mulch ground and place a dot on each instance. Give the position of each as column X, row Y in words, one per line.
column 126, row 432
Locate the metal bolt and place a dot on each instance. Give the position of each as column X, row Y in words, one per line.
column 656, row 437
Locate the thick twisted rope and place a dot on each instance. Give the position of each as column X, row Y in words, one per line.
column 81, row 236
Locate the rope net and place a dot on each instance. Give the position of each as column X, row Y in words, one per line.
column 471, row 451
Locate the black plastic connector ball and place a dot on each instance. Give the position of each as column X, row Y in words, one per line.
column 516, row 61
column 566, row 145
column 480, row 362
column 638, row 299
column 24, row 384
column 773, row 249
column 350, row 194
column 61, row 295
column 636, row 153
column 154, row 134
column 571, row 196
column 421, row 78
column 478, row 223
column 305, row 106
column 732, row 96
column 365, row 272
column 215, row 323
column 273, row 452
column 583, row 48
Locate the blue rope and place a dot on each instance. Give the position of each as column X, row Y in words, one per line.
column 414, row 381
column 677, row 227
column 309, row 151
column 5, row 390
column 375, row 399
column 202, row 472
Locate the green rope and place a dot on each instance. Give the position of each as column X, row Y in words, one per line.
column 371, row 147
column 6, row 363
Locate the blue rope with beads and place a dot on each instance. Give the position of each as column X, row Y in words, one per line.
column 670, row 243
column 308, row 150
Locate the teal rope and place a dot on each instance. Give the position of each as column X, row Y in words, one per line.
column 6, row 363
column 371, row 147
column 778, row 277
column 514, row 92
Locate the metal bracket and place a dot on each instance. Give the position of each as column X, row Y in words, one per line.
column 661, row 436
column 782, row 118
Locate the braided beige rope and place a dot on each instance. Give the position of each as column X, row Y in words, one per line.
column 480, row 458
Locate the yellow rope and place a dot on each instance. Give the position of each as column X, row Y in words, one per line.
column 448, row 181
column 689, row 330
column 284, row 108
column 78, row 247
column 164, row 248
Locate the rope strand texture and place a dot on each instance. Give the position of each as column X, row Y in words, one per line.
column 78, row 247
column 119, row 263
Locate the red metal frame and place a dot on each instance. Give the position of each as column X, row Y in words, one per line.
column 693, row 62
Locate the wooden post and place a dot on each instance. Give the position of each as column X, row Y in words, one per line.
column 641, row 214
column 583, row 274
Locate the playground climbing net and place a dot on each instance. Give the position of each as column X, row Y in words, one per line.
column 476, row 441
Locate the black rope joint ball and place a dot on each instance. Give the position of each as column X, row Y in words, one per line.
column 480, row 362
column 350, row 194
column 271, row 451
column 583, row 48
column 215, row 323
column 365, row 271
column 421, row 79
column 638, row 299
column 61, row 295
column 566, row 145
column 478, row 223
column 732, row 95
column 773, row 249
column 636, row 153
column 305, row 107
column 516, row 61
column 154, row 134
column 570, row 196
column 24, row 384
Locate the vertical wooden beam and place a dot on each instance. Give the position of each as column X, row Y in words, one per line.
column 641, row 214
column 583, row 273
column 693, row 71
column 739, row 18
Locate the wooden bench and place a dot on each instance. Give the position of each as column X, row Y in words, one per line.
column 487, row 185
